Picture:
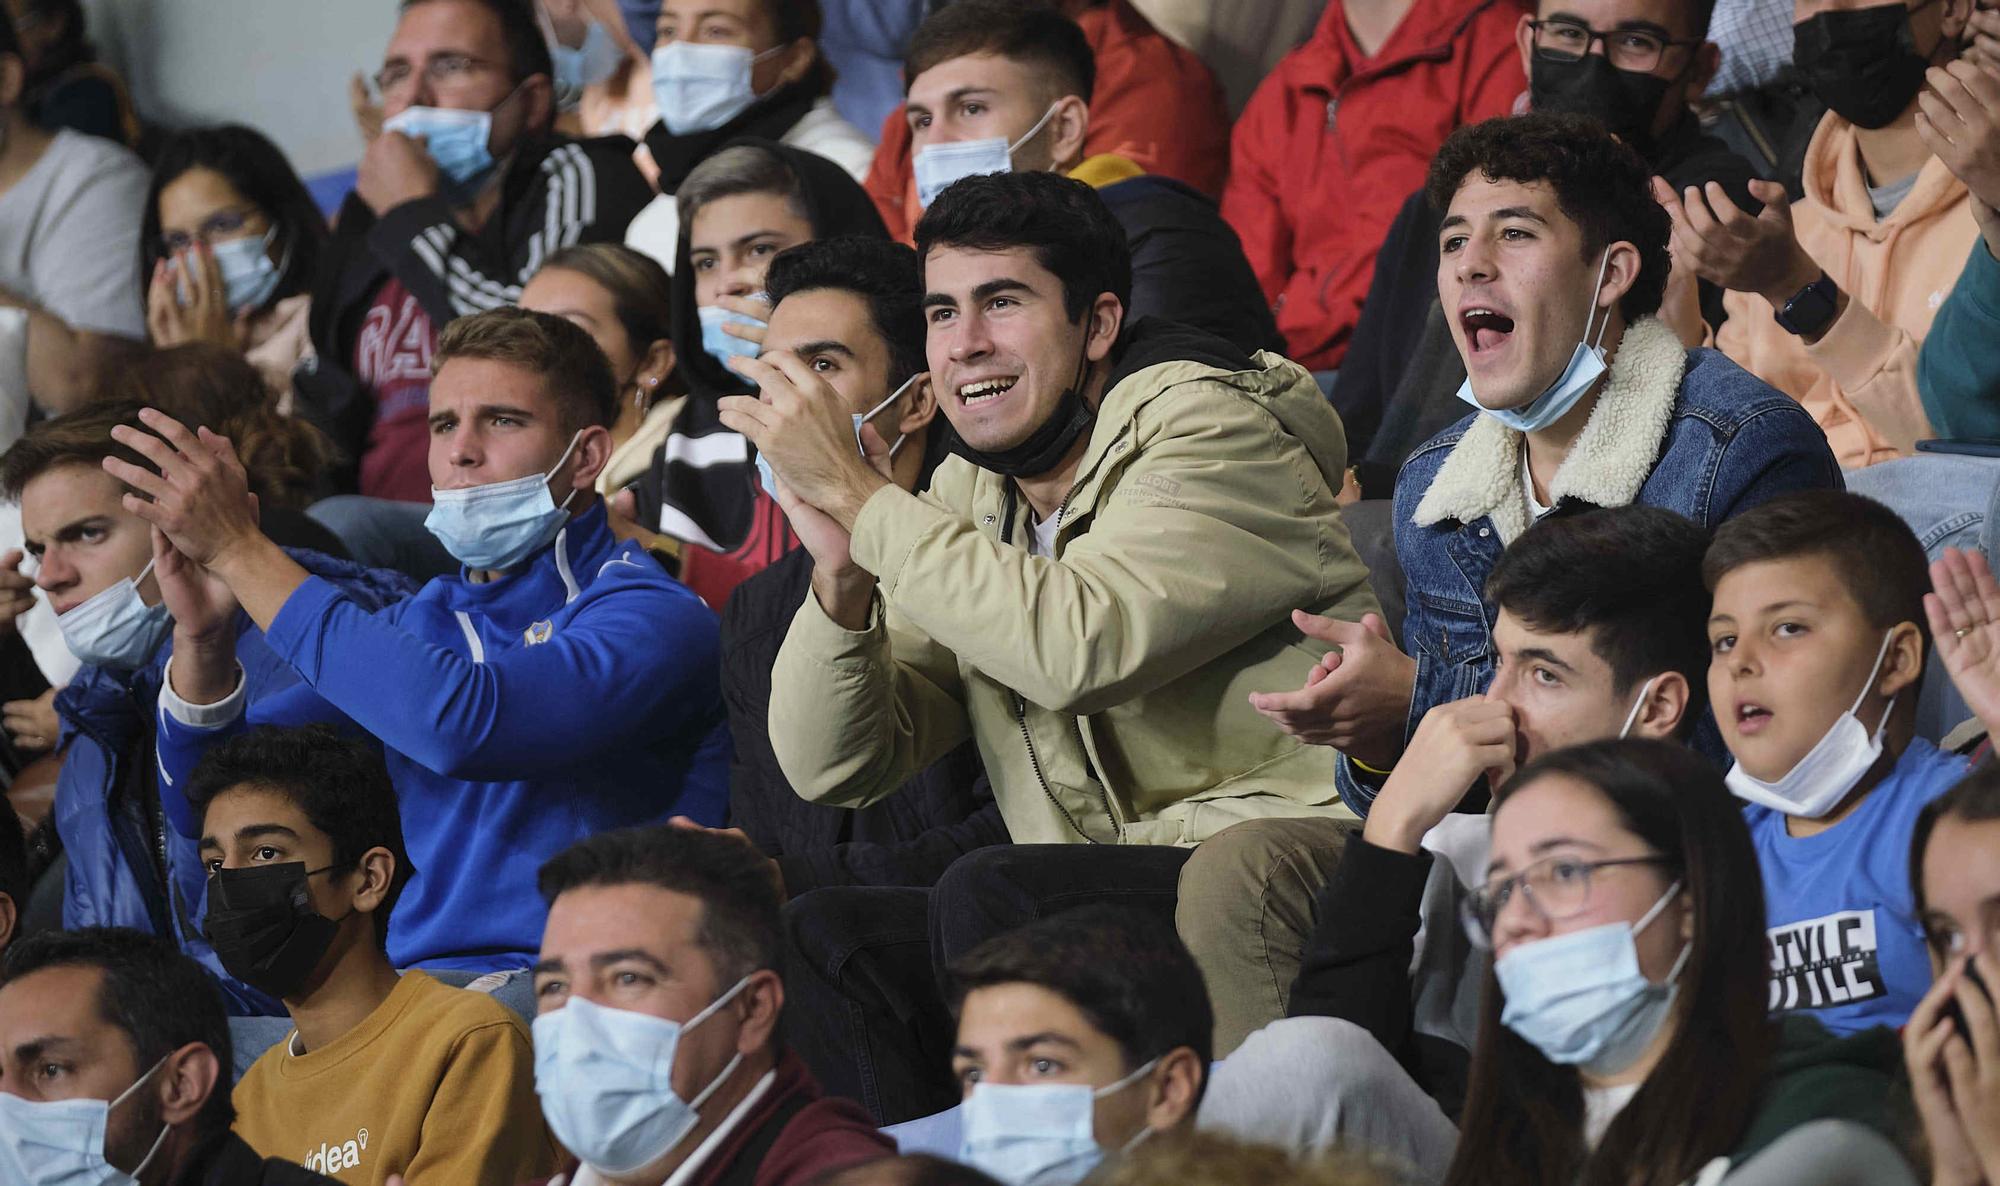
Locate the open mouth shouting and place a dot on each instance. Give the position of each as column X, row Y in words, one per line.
column 1486, row 328
column 1751, row 719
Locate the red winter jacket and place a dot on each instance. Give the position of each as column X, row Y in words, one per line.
column 1155, row 103
column 1332, row 144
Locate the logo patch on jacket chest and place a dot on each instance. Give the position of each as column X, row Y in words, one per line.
column 538, row 633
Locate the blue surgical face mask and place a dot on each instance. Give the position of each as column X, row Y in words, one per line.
column 248, row 275
column 456, row 140
column 1581, row 999
column 114, row 628
column 768, row 478
column 938, row 165
column 585, row 65
column 606, row 1080
column 500, row 524
column 1037, row 1134
column 61, row 1142
column 1586, row 367
column 724, row 346
column 700, row 87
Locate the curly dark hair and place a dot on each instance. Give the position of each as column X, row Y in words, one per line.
column 1601, row 185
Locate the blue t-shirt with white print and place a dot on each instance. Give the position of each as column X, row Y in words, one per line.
column 1844, row 940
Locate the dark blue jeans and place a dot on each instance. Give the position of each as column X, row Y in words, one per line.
column 865, row 976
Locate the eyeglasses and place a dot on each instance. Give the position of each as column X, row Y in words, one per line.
column 1558, row 888
column 1635, row 50
column 223, row 224
column 445, row 73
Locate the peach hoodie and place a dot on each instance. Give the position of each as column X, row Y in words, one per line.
column 1859, row 381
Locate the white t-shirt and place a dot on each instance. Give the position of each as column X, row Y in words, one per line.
column 1042, row 536
column 1601, row 1106
column 1535, row 509
column 69, row 235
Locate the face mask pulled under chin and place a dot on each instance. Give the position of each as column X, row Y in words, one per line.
column 1586, row 367
column 1038, row 1134
column 115, row 628
column 1581, row 998
column 61, row 1142
column 938, row 165
column 605, row 1077
column 1818, row 782
column 501, row 524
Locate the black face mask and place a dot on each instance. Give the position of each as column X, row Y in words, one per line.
column 1623, row 101
column 1045, row 447
column 1863, row 63
column 264, row 928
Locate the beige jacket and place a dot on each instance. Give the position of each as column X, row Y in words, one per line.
column 1859, row 380
column 1107, row 688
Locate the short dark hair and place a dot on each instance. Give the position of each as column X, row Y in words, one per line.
column 79, row 437
column 1031, row 32
column 731, row 880
column 160, row 998
column 1126, row 971
column 886, row 275
column 1630, row 576
column 1064, row 222
column 527, row 49
column 255, row 168
column 562, row 354
column 340, row 783
column 1872, row 551
column 1600, row 184
column 13, row 858
column 1975, row 799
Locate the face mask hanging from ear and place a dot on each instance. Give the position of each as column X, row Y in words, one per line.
column 1818, row 782
column 1638, row 706
column 115, row 629
column 768, row 478
column 1586, row 367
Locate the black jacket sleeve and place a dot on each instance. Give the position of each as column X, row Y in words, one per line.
column 1357, row 962
column 918, row 861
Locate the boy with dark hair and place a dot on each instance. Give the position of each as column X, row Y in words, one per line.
column 1600, row 623
column 1819, row 636
column 143, row 1045
column 1096, row 1020
column 657, row 1055
column 1003, row 85
column 1553, row 261
column 558, row 684
column 304, row 846
column 1635, row 65
column 1151, row 100
column 1039, row 598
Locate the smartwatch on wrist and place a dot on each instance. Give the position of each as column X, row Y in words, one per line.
column 1811, row 309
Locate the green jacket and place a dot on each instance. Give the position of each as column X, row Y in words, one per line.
column 1107, row 689
column 1816, row 1076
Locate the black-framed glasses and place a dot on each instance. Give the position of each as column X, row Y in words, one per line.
column 1636, row 50
column 444, row 72
column 1558, row 888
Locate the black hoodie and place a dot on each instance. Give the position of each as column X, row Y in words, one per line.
column 701, row 486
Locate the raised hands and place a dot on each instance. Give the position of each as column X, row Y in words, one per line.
column 200, row 496
column 803, row 427
column 1735, row 249
column 203, row 315
column 1355, row 699
column 1964, row 614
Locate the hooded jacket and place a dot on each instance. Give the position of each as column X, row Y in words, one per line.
column 1333, row 141
column 553, row 195
column 1106, row 687
column 1859, row 380
column 127, row 868
column 702, row 487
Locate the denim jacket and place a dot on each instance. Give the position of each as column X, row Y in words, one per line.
column 1685, row 430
